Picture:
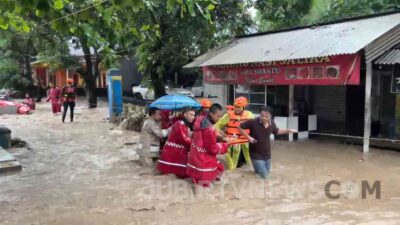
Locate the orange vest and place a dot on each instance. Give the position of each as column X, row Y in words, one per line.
column 233, row 124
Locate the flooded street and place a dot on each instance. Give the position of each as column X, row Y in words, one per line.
column 84, row 173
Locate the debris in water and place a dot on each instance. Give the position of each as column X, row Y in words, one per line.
column 143, row 209
column 18, row 143
column 129, row 143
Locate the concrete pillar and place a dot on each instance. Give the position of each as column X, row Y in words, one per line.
column 47, row 77
column 291, row 110
column 367, row 112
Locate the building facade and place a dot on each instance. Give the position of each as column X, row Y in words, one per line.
column 324, row 78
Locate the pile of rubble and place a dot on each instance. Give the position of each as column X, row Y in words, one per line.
column 132, row 118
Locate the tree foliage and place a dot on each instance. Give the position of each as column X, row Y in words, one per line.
column 278, row 14
column 163, row 34
column 111, row 27
column 168, row 39
column 339, row 9
column 275, row 14
column 18, row 48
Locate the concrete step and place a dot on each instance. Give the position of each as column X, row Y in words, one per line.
column 8, row 163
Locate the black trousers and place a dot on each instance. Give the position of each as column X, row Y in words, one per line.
column 242, row 160
column 71, row 106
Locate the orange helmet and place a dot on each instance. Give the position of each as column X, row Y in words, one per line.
column 70, row 81
column 206, row 103
column 241, row 102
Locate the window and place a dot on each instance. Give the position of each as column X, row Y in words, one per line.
column 258, row 95
column 271, row 95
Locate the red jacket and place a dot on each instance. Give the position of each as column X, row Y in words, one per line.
column 68, row 94
column 54, row 95
column 174, row 155
column 202, row 162
column 30, row 102
column 165, row 120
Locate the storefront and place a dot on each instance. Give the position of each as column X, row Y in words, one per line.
column 316, row 78
column 387, row 92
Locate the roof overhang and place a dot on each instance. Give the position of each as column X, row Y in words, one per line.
column 391, row 57
column 344, row 38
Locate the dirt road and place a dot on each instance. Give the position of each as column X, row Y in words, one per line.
column 83, row 173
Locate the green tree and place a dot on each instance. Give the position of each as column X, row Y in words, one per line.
column 93, row 26
column 169, row 38
column 107, row 28
column 339, row 9
column 318, row 9
column 281, row 14
column 19, row 42
column 10, row 76
column 18, row 48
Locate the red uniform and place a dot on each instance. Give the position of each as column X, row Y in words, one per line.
column 54, row 98
column 174, row 155
column 177, row 118
column 29, row 101
column 165, row 120
column 68, row 94
column 203, row 165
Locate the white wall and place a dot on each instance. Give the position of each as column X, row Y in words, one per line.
column 217, row 90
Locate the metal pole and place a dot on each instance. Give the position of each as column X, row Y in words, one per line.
column 367, row 112
column 291, row 112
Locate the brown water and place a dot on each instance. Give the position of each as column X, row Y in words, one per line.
column 82, row 173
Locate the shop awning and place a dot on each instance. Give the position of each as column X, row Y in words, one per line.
column 339, row 38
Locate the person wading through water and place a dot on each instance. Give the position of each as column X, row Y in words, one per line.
column 174, row 156
column 258, row 133
column 203, row 166
column 54, row 97
column 68, row 95
column 230, row 123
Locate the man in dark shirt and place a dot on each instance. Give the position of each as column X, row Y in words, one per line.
column 259, row 138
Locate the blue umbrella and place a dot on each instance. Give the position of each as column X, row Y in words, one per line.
column 176, row 101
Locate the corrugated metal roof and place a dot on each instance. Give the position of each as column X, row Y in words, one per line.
column 389, row 58
column 331, row 39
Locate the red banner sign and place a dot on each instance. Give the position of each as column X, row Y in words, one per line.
column 329, row 70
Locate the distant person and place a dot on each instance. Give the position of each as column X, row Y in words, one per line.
column 259, row 138
column 166, row 123
column 68, row 97
column 54, row 97
column 30, row 101
column 39, row 90
column 174, row 156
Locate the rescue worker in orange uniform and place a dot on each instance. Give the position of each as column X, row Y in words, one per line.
column 230, row 123
column 205, row 106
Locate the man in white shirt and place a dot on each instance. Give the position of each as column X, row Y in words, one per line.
column 151, row 133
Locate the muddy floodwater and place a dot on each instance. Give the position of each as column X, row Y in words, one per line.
column 85, row 173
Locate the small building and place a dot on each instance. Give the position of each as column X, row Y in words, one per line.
column 42, row 73
column 130, row 75
column 337, row 78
